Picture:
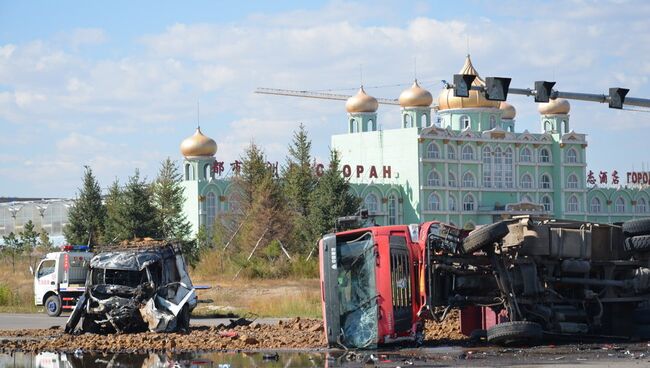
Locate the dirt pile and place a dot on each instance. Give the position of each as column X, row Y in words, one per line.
column 449, row 329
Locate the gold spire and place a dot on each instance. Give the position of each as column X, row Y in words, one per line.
column 415, row 96
column 198, row 145
column 507, row 110
column 447, row 100
column 361, row 102
column 554, row 107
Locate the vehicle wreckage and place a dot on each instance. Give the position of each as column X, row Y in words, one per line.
column 136, row 289
column 514, row 281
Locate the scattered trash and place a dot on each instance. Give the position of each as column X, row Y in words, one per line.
column 267, row 356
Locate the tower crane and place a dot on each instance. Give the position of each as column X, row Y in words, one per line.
column 320, row 95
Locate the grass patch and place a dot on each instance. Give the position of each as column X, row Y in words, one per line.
column 303, row 304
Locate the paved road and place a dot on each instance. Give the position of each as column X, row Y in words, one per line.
column 15, row 321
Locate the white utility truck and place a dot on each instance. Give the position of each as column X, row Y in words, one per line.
column 60, row 278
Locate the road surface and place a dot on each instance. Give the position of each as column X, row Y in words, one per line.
column 16, row 321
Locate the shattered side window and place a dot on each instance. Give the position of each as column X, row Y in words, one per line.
column 357, row 292
column 102, row 276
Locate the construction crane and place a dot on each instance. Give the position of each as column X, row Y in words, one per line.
column 320, row 95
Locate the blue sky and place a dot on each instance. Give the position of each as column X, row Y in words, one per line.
column 115, row 85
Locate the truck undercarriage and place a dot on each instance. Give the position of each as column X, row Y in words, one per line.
column 537, row 278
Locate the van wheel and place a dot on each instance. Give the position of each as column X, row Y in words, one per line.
column 53, row 306
column 637, row 227
column 485, row 235
column 518, row 332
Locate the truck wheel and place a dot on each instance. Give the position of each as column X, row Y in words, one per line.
column 639, row 243
column 53, row 306
column 485, row 235
column 637, row 227
column 514, row 333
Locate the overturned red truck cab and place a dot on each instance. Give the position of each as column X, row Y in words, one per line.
column 517, row 280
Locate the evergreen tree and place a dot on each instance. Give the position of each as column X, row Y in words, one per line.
column 87, row 215
column 137, row 215
column 44, row 239
column 29, row 239
column 298, row 182
column 12, row 247
column 254, row 170
column 114, row 203
column 330, row 200
column 168, row 200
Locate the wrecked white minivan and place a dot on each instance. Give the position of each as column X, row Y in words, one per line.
column 135, row 290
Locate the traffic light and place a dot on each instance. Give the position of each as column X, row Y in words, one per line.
column 496, row 88
column 463, row 84
column 543, row 90
column 617, row 97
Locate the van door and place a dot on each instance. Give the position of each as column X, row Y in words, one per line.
column 44, row 279
column 401, row 285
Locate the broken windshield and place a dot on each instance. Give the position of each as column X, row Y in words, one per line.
column 102, row 276
column 357, row 292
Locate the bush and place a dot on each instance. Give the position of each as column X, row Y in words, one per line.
column 7, row 296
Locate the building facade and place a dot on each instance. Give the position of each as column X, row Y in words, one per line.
column 48, row 214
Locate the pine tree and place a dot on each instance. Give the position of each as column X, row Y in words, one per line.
column 330, row 200
column 29, row 238
column 168, row 200
column 12, row 247
column 136, row 212
column 44, row 239
column 114, row 203
column 87, row 215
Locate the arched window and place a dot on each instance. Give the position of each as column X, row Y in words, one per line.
column 451, row 152
column 572, row 182
column 547, row 203
column 355, row 126
column 451, row 180
column 468, row 203
column 433, row 151
column 465, row 121
column 493, row 121
column 641, row 205
column 620, row 205
column 595, row 206
column 547, row 125
column 451, row 203
column 487, row 167
column 526, row 199
column 207, row 170
column 371, row 125
column 525, row 155
column 424, row 121
column 545, row 181
column 572, row 204
column 571, row 156
column 392, row 209
column 544, row 155
column 372, row 203
column 526, row 181
column 211, row 204
column 468, row 180
column 188, row 170
column 507, row 168
column 498, row 168
column 433, row 179
column 468, row 152
column 408, row 121
column 434, row 202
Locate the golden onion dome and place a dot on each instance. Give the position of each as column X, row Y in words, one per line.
column 554, row 107
column 361, row 102
column 415, row 96
column 198, row 145
column 507, row 110
column 447, row 100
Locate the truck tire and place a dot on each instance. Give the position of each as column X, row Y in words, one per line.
column 637, row 227
column 53, row 306
column 639, row 243
column 519, row 332
column 485, row 235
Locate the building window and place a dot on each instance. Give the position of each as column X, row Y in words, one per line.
column 452, row 203
column 545, row 181
column 487, row 167
column 544, row 155
column 493, row 121
column 547, row 125
column 188, row 169
column 451, row 152
column 451, row 180
column 468, row 180
column 465, row 121
column 595, row 206
column 408, row 121
column 392, row 209
column 468, row 203
column 547, row 203
column 211, row 200
column 433, row 151
column 572, row 182
column 207, row 169
column 572, row 204
column 507, row 168
column 468, row 152
column 371, row 125
column 434, row 202
column 641, row 205
column 372, row 203
column 526, row 199
column 424, row 120
column 526, row 181
column 525, row 155
column 355, row 126
column 620, row 205
column 433, row 180
column 571, row 156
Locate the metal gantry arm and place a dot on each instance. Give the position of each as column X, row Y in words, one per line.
column 320, row 95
